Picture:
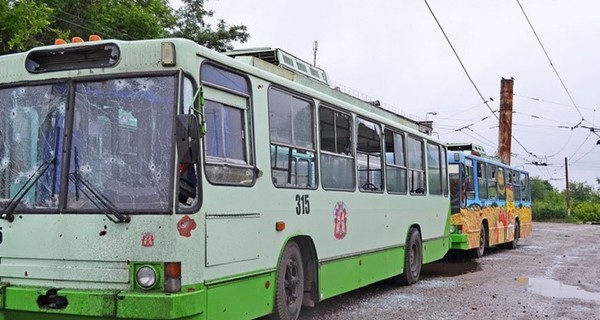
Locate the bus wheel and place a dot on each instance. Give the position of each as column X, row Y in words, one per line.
column 515, row 243
column 479, row 251
column 413, row 259
column 290, row 284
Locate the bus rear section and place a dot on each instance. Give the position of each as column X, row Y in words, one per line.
column 490, row 203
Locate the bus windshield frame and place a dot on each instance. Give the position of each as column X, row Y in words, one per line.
column 115, row 133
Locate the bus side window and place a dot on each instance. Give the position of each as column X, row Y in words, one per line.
column 368, row 156
column 501, row 184
column 444, row 171
column 491, row 176
column 434, row 171
column 416, row 166
column 516, row 186
column 482, row 180
column 457, row 198
column 525, row 187
column 188, row 177
column 228, row 143
column 337, row 158
column 469, row 179
column 395, row 162
column 291, row 126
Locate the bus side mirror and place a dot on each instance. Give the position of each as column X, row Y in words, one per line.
column 188, row 136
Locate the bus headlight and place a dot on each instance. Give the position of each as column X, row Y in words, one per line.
column 452, row 228
column 146, row 277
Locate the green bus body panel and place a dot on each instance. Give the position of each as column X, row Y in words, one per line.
column 20, row 315
column 139, row 305
column 435, row 249
column 343, row 275
column 247, row 298
column 339, row 276
column 459, row 241
column 85, row 303
column 223, row 302
column 104, row 304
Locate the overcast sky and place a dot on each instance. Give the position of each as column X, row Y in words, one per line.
column 394, row 51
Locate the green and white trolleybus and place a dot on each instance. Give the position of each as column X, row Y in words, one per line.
column 158, row 179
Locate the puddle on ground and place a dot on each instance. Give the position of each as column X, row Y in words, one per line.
column 450, row 268
column 556, row 289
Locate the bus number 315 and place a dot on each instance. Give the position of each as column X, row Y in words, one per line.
column 302, row 204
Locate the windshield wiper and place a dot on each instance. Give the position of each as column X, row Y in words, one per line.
column 98, row 199
column 8, row 212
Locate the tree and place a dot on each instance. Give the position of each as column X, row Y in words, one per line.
column 20, row 24
column 191, row 24
column 540, row 188
column 25, row 24
column 582, row 191
column 112, row 19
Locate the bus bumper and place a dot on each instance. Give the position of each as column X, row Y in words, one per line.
column 459, row 241
column 28, row 303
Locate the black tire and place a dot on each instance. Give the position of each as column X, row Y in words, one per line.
column 515, row 243
column 413, row 259
column 479, row 251
column 290, row 284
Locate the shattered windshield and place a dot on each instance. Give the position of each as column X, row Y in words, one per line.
column 31, row 125
column 122, row 143
column 115, row 157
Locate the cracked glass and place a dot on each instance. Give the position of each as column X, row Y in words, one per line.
column 30, row 131
column 121, row 143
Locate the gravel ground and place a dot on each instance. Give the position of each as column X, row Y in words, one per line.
column 554, row 274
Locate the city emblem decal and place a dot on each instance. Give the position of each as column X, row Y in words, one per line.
column 147, row 240
column 340, row 213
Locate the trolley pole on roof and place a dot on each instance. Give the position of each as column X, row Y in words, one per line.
column 505, row 128
column 315, row 48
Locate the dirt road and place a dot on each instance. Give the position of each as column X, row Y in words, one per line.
column 554, row 274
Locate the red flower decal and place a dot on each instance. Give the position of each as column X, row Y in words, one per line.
column 185, row 226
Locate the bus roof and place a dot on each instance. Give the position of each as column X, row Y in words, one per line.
column 145, row 57
column 459, row 157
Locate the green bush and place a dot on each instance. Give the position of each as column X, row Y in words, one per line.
column 586, row 211
column 548, row 210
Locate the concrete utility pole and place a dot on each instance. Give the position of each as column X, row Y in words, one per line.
column 567, row 192
column 505, row 129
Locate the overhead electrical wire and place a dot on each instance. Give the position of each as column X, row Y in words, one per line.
column 584, row 155
column 441, row 120
column 550, row 61
column 478, row 139
column 124, row 35
column 574, row 104
column 581, row 145
column 484, row 138
column 552, row 102
column 540, row 117
column 459, row 60
column 469, row 76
